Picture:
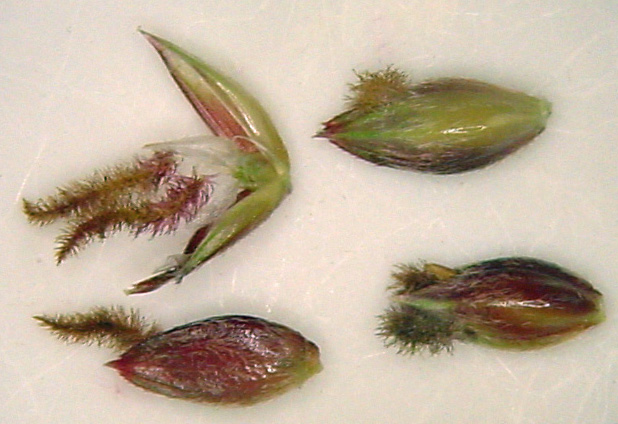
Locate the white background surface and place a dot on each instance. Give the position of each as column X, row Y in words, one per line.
column 81, row 89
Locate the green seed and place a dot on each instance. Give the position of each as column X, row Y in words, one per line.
column 443, row 126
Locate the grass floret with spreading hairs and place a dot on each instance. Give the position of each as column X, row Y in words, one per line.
column 228, row 360
column 229, row 182
column 514, row 303
column 441, row 126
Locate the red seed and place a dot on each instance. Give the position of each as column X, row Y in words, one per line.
column 509, row 303
column 230, row 360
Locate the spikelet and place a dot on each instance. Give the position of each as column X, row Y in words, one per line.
column 245, row 155
column 224, row 360
column 514, row 303
column 441, row 126
column 112, row 327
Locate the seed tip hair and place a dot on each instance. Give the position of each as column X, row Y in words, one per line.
column 112, row 327
column 408, row 278
column 411, row 331
column 378, row 88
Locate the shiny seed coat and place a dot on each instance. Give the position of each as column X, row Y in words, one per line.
column 228, row 360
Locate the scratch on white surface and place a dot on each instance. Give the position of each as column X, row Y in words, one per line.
column 29, row 383
column 49, row 101
column 234, row 281
column 264, row 5
column 375, row 354
column 592, row 384
column 291, row 14
column 499, row 219
column 30, row 169
column 584, row 47
column 508, row 370
column 360, row 249
column 433, row 226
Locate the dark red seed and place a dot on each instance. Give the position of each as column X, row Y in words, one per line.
column 229, row 360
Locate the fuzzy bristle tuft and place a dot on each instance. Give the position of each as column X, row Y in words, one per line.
column 411, row 330
column 378, row 88
column 409, row 278
column 102, row 190
column 110, row 327
column 182, row 200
